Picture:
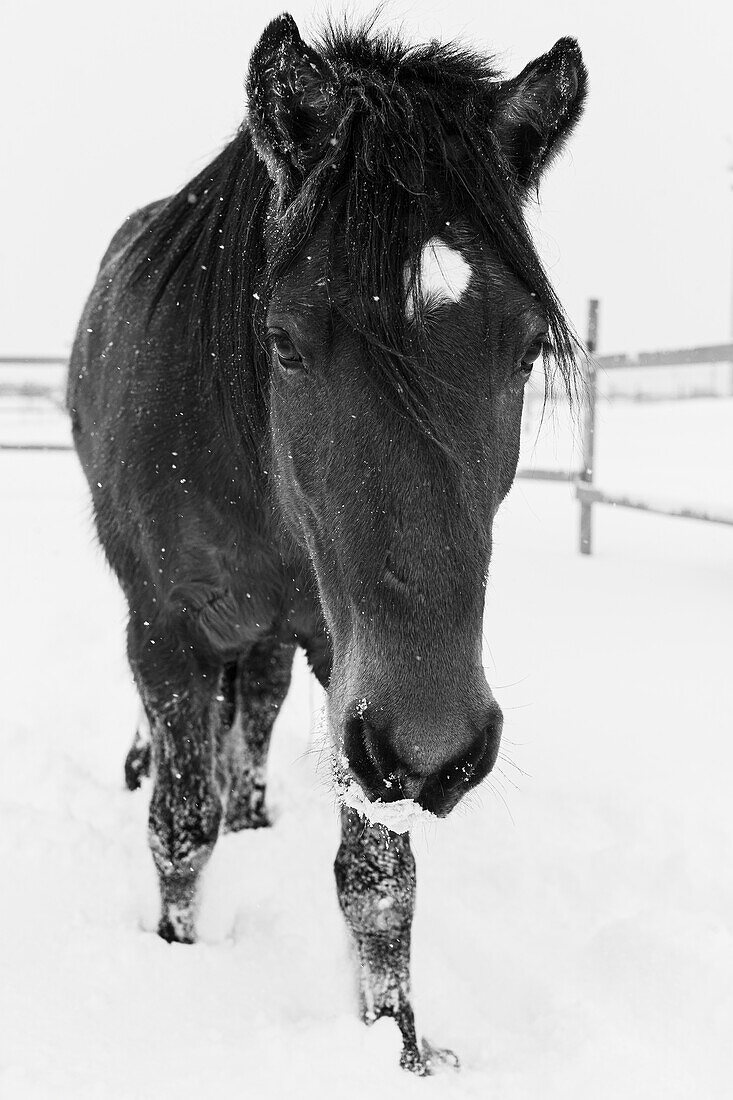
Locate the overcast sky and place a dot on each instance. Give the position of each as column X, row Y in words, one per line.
column 107, row 106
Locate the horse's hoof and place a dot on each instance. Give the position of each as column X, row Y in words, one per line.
column 429, row 1060
column 173, row 929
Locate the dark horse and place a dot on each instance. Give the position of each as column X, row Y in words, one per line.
column 296, row 394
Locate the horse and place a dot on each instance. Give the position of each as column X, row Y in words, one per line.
column 296, row 392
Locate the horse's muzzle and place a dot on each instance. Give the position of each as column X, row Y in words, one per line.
column 390, row 763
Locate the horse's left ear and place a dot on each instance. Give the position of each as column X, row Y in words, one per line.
column 290, row 91
column 536, row 111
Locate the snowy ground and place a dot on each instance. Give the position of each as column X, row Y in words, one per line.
column 574, row 933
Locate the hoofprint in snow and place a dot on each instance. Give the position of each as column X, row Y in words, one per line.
column 582, row 947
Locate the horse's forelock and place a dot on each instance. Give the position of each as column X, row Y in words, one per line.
column 411, row 148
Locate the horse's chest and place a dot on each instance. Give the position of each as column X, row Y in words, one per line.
column 230, row 591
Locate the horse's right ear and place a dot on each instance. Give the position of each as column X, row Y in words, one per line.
column 290, row 90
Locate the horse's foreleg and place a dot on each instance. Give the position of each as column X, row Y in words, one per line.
column 375, row 879
column 185, row 705
column 262, row 684
column 186, row 805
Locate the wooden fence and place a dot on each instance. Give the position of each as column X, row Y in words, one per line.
column 587, row 493
column 34, row 391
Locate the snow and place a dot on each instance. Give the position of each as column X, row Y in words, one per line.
column 574, row 928
column 401, row 816
column 676, row 450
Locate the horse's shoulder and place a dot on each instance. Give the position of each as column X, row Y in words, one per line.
column 221, row 584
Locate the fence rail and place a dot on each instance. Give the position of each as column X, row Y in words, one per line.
column 530, row 474
column 587, row 493
column 35, row 392
column 34, row 360
column 677, row 357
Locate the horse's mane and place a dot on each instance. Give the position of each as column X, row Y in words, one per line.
column 411, row 145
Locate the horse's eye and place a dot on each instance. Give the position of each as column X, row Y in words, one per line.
column 285, row 350
column 530, row 356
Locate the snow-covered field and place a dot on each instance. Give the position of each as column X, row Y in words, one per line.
column 574, row 932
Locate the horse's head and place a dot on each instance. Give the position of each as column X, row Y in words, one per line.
column 405, row 306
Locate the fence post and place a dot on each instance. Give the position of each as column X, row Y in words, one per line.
column 589, row 428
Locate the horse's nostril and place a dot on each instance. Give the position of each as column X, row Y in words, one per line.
column 385, row 775
column 355, row 750
column 369, row 758
column 380, row 771
column 447, row 787
column 460, row 771
column 492, row 734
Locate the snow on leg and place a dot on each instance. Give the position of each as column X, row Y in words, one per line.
column 375, row 880
column 184, row 700
column 137, row 762
column 262, row 684
column 186, row 806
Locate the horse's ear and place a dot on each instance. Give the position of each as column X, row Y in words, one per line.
column 536, row 111
column 290, row 91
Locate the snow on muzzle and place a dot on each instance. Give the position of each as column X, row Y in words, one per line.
column 430, row 763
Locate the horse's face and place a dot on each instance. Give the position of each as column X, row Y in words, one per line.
column 400, row 535
column 394, row 509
